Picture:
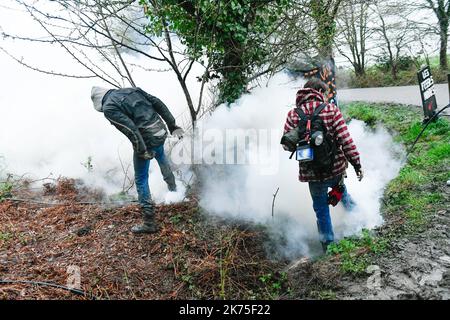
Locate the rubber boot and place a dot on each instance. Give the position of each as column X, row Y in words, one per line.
column 149, row 225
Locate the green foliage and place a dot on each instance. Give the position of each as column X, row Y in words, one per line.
column 369, row 115
column 273, row 283
column 6, row 188
column 325, row 24
column 5, row 236
column 353, row 252
column 120, row 196
column 403, row 63
column 375, row 245
column 176, row 218
column 232, row 35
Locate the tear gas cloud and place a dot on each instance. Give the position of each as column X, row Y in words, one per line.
column 246, row 191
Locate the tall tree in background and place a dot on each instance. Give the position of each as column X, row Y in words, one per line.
column 318, row 62
column 354, row 33
column 394, row 34
column 441, row 9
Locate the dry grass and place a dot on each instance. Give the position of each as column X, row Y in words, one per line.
column 191, row 257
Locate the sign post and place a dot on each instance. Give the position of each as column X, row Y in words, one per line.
column 448, row 82
column 427, row 92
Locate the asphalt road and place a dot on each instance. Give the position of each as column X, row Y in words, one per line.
column 404, row 95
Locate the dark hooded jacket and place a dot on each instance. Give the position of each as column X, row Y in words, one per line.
column 138, row 114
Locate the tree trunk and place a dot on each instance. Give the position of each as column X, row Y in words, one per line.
column 233, row 72
column 443, row 64
column 360, row 71
column 394, row 71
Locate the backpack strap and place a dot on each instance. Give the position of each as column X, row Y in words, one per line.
column 319, row 110
column 301, row 114
column 305, row 117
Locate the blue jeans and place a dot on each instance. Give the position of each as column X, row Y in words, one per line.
column 319, row 194
column 141, row 168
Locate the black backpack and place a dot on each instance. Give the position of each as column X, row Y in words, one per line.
column 311, row 131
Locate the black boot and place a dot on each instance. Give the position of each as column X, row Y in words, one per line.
column 149, row 225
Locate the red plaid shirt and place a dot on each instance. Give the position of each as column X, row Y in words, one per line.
column 308, row 100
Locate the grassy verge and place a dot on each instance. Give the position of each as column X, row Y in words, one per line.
column 414, row 195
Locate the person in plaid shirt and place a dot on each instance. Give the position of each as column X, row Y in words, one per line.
column 308, row 99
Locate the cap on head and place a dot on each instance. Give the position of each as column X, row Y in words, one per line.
column 97, row 94
column 316, row 84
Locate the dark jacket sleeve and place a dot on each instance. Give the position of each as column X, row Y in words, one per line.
column 163, row 111
column 125, row 125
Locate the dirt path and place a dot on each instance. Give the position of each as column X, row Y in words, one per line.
column 409, row 95
column 415, row 268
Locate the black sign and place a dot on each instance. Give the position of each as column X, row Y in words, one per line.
column 427, row 92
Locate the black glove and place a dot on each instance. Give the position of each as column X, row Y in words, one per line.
column 359, row 173
column 147, row 155
column 177, row 131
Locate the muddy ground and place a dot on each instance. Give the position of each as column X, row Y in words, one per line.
column 415, row 267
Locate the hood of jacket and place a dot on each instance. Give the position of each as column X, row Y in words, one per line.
column 97, row 94
column 306, row 95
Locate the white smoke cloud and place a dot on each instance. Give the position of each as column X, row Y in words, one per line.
column 246, row 191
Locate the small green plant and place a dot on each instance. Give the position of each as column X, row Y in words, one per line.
column 323, row 295
column 6, row 188
column 176, row 218
column 5, row 236
column 273, row 284
column 190, row 282
column 354, row 252
column 375, row 245
column 120, row 196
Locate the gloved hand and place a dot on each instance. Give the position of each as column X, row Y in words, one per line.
column 359, row 173
column 147, row 155
column 178, row 132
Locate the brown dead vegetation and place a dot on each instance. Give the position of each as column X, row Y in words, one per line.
column 191, row 257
